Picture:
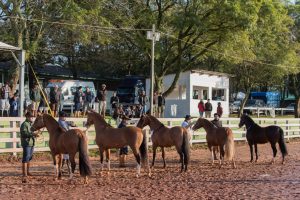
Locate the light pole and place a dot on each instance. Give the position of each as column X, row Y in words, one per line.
column 153, row 36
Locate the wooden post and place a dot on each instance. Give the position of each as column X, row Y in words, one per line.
column 257, row 112
column 169, row 123
column 14, row 134
column 287, row 130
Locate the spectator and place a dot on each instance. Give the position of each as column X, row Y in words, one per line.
column 13, row 109
column 2, row 99
column 155, row 104
column 201, row 108
column 160, row 105
column 123, row 150
column 128, row 111
column 101, row 98
column 54, row 99
column 43, row 107
column 139, row 111
column 35, row 97
column 78, row 101
column 114, row 101
column 88, row 100
column 143, row 100
column 133, row 110
column 219, row 110
column 27, row 142
column 216, row 121
column 61, row 100
column 208, row 109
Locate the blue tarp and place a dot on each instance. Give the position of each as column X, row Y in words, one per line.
column 272, row 99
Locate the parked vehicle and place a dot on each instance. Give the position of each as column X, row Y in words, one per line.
column 234, row 107
column 253, row 103
column 129, row 89
column 291, row 108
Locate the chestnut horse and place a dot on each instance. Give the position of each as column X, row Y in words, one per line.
column 218, row 136
column 108, row 137
column 163, row 136
column 261, row 135
column 65, row 142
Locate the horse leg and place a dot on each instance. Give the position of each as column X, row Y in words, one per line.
column 73, row 165
column 55, row 161
column 212, row 154
column 256, row 154
column 138, row 160
column 154, row 154
column 107, row 152
column 101, row 159
column 222, row 154
column 59, row 165
column 163, row 156
column 273, row 145
column 179, row 151
column 251, row 152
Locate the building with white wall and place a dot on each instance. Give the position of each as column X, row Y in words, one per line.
column 193, row 86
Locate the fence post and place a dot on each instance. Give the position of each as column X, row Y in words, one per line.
column 287, row 130
column 14, row 134
column 170, row 123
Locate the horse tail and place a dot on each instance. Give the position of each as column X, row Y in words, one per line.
column 185, row 147
column 84, row 161
column 144, row 149
column 229, row 145
column 281, row 142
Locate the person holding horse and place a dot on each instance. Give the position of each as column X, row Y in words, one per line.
column 27, row 142
column 124, row 150
column 216, row 121
column 187, row 123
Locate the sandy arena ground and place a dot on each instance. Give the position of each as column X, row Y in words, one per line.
column 202, row 181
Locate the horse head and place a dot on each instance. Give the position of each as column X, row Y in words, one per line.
column 242, row 120
column 90, row 120
column 144, row 121
column 38, row 123
column 198, row 124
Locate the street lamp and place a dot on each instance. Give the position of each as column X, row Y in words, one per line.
column 154, row 36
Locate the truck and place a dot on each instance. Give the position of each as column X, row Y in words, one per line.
column 129, row 89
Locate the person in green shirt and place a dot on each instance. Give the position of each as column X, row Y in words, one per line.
column 27, row 143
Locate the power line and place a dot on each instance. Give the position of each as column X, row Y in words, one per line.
column 78, row 25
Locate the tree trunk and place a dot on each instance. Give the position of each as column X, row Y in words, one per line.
column 243, row 103
column 173, row 85
column 297, row 107
column 158, row 84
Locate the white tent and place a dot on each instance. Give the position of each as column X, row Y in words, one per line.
column 21, row 62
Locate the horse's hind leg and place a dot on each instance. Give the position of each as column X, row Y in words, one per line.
column 251, row 152
column 154, row 155
column 273, row 145
column 59, row 157
column 163, row 156
column 222, row 154
column 101, row 159
column 138, row 160
column 107, row 152
column 179, row 151
column 55, row 163
column 73, row 165
column 256, row 153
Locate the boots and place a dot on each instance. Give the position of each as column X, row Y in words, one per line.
column 28, row 166
column 24, row 172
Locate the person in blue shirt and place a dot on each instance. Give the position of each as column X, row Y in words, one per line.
column 13, row 109
column 123, row 150
column 187, row 123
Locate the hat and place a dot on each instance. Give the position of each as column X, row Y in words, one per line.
column 188, row 117
column 62, row 114
column 216, row 114
column 29, row 114
column 103, row 85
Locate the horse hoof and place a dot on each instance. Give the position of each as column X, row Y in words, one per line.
column 24, row 180
column 149, row 175
column 137, row 175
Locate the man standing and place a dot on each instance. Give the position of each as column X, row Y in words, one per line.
column 160, row 105
column 54, row 99
column 35, row 97
column 216, row 121
column 88, row 100
column 77, row 101
column 114, row 102
column 219, row 110
column 208, row 109
column 27, row 142
column 101, row 98
column 143, row 99
column 123, row 150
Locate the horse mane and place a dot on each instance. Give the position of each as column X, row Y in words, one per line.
column 155, row 119
column 50, row 118
column 249, row 119
column 208, row 122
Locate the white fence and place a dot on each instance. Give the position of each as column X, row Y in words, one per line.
column 10, row 139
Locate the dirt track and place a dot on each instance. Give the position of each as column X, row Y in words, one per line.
column 248, row 181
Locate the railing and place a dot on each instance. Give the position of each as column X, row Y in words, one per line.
column 10, row 137
column 268, row 110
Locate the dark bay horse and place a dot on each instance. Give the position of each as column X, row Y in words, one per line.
column 108, row 137
column 259, row 135
column 166, row 137
column 65, row 142
column 218, row 136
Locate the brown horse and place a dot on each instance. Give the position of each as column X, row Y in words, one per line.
column 65, row 142
column 218, row 136
column 166, row 137
column 108, row 137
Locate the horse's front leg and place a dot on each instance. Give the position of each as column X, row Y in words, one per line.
column 273, row 145
column 101, row 151
column 59, row 157
column 154, row 155
column 55, row 164
column 251, row 151
column 137, row 156
column 107, row 154
column 256, row 154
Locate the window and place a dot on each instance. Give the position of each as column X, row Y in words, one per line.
column 200, row 93
column 218, row 94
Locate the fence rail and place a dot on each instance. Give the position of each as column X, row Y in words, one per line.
column 10, row 131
